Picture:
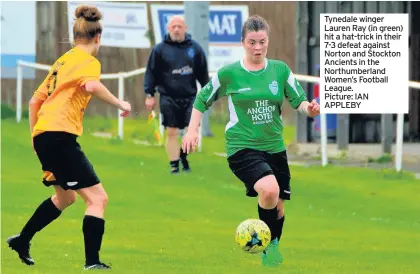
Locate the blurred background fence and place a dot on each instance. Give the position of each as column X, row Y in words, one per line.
column 53, row 40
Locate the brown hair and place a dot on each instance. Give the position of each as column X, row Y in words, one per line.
column 254, row 23
column 86, row 25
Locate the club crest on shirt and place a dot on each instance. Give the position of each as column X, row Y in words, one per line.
column 190, row 52
column 274, row 88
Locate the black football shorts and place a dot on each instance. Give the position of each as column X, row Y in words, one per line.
column 176, row 112
column 251, row 165
column 63, row 161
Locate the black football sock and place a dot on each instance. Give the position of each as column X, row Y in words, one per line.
column 184, row 161
column 174, row 165
column 269, row 216
column 279, row 227
column 43, row 215
column 183, row 155
column 93, row 230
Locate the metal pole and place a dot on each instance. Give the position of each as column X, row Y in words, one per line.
column 324, row 137
column 343, row 120
column 120, row 97
column 19, row 79
column 197, row 19
column 387, row 123
column 399, row 142
column 301, row 42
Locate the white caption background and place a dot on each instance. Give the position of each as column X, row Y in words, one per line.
column 364, row 63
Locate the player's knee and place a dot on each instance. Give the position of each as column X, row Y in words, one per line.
column 99, row 200
column 102, row 200
column 270, row 193
column 71, row 199
column 172, row 132
column 64, row 201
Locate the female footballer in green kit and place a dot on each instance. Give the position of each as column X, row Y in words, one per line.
column 256, row 87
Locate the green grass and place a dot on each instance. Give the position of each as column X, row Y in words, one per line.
column 340, row 220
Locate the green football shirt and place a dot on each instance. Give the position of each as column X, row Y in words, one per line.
column 255, row 99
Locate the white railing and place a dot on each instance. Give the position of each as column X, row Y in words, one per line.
column 122, row 75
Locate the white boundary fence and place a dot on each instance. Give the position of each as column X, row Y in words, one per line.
column 123, row 75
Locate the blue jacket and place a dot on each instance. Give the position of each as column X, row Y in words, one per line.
column 173, row 68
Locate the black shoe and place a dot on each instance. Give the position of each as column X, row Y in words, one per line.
column 96, row 266
column 175, row 170
column 22, row 248
column 186, row 166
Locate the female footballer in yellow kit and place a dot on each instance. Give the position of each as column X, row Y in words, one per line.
column 56, row 114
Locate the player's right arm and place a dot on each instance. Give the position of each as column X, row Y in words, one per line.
column 90, row 80
column 152, row 68
column 34, row 106
column 210, row 93
column 38, row 98
column 151, row 77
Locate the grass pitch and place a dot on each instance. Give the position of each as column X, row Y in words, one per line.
column 340, row 220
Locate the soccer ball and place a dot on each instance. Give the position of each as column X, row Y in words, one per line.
column 253, row 236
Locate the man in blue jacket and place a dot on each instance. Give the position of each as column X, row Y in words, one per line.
column 173, row 69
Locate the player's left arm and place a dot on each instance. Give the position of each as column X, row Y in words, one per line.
column 296, row 95
column 311, row 109
column 89, row 79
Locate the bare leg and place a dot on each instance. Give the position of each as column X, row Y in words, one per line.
column 173, row 148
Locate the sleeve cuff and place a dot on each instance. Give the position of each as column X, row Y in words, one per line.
column 150, row 92
column 200, row 106
column 296, row 103
column 40, row 96
column 87, row 79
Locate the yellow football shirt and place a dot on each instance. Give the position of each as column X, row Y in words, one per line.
column 62, row 91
